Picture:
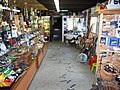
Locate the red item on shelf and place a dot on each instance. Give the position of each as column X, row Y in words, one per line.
column 10, row 40
column 8, row 82
column 91, row 61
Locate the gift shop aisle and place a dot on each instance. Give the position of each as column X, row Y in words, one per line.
column 60, row 70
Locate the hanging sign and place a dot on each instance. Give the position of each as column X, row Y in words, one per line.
column 113, row 4
column 116, row 2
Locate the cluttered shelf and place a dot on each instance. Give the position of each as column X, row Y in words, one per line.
column 107, row 69
column 23, row 80
column 22, row 45
column 20, row 58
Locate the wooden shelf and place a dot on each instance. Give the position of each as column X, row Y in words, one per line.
column 23, row 82
column 110, row 11
column 41, row 54
column 106, row 54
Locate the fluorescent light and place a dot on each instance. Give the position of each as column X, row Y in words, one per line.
column 15, row 10
column 57, row 5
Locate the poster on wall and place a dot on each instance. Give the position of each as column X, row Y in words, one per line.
column 93, row 24
column 79, row 24
column 70, row 23
column 76, row 23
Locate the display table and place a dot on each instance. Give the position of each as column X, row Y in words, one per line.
column 23, row 82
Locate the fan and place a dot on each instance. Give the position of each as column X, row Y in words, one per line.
column 82, row 58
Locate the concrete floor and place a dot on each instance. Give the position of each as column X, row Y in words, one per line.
column 60, row 70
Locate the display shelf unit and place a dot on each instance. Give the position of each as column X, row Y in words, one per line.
column 23, row 82
column 107, row 54
column 31, row 58
column 44, row 22
column 24, row 79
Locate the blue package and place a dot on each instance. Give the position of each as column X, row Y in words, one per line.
column 113, row 41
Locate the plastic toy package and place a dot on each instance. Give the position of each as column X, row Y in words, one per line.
column 10, row 72
column 5, row 81
column 8, row 76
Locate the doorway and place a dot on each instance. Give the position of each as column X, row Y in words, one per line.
column 56, row 28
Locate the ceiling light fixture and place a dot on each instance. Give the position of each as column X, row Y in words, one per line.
column 57, row 5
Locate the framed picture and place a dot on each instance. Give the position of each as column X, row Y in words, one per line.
column 103, row 40
column 105, row 33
